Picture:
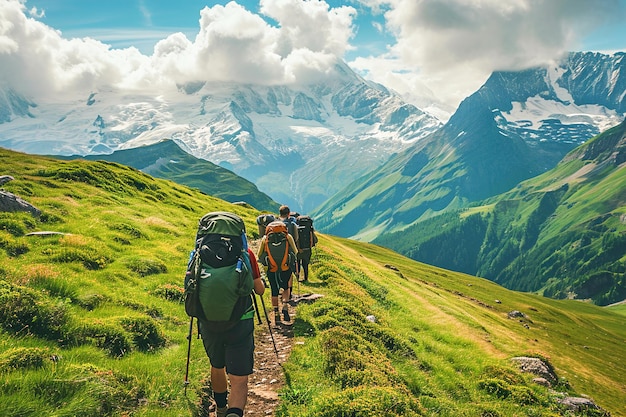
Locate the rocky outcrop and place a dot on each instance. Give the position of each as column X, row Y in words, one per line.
column 11, row 203
column 547, row 377
column 537, row 367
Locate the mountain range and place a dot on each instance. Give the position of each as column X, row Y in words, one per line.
column 298, row 145
column 516, row 126
column 379, row 169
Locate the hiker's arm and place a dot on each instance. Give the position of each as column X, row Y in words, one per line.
column 261, row 250
column 259, row 287
column 292, row 243
column 297, row 234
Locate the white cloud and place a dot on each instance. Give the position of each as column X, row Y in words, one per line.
column 37, row 60
column 232, row 44
column 445, row 48
column 453, row 45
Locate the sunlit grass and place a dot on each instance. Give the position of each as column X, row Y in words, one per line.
column 389, row 336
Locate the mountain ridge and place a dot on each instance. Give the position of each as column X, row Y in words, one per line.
column 285, row 139
column 167, row 160
column 562, row 234
column 516, row 126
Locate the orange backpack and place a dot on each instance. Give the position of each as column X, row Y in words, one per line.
column 277, row 247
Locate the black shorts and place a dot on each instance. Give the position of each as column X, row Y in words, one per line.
column 304, row 257
column 233, row 349
column 278, row 280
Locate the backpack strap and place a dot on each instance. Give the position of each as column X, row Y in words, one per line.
column 271, row 263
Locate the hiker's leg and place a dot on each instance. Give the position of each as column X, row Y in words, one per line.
column 238, row 392
column 218, row 379
column 215, row 348
column 306, row 258
column 305, row 268
column 219, row 383
column 274, row 278
column 298, row 266
column 287, row 276
column 239, row 362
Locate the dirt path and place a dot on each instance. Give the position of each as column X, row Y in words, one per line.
column 268, row 377
column 271, row 351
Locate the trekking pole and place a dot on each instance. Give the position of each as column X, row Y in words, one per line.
column 256, row 307
column 188, row 354
column 298, row 278
column 269, row 326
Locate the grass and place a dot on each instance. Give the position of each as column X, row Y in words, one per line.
column 91, row 322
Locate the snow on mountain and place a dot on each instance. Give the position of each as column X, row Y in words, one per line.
column 297, row 145
column 555, row 114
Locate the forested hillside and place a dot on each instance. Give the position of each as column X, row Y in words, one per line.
column 562, row 234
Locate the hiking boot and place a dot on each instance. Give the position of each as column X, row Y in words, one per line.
column 221, row 411
column 286, row 314
column 276, row 317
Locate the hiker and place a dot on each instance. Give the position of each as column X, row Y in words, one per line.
column 231, row 354
column 277, row 252
column 263, row 220
column 306, row 240
column 229, row 342
column 286, row 216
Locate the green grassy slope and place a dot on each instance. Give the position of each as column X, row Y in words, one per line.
column 562, row 233
column 91, row 323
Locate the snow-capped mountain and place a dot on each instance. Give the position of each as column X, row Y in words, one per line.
column 299, row 145
column 516, row 126
column 568, row 102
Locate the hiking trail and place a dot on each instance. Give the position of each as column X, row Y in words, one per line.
column 268, row 377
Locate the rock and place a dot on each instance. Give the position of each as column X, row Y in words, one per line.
column 535, row 366
column 514, row 314
column 46, row 233
column 5, row 178
column 12, row 203
column 542, row 381
column 578, row 403
column 306, row 298
column 243, row 204
column 371, row 318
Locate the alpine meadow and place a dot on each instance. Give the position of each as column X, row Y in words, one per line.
column 92, row 321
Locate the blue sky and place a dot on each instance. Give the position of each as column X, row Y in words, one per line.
column 124, row 23
column 428, row 50
column 141, row 23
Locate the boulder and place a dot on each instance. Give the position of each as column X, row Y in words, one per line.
column 577, row 404
column 536, row 367
column 12, row 203
column 5, row 178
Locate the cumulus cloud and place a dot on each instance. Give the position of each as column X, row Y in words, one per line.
column 453, row 45
column 36, row 59
column 232, row 44
column 441, row 49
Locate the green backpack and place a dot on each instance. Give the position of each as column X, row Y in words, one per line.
column 219, row 278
